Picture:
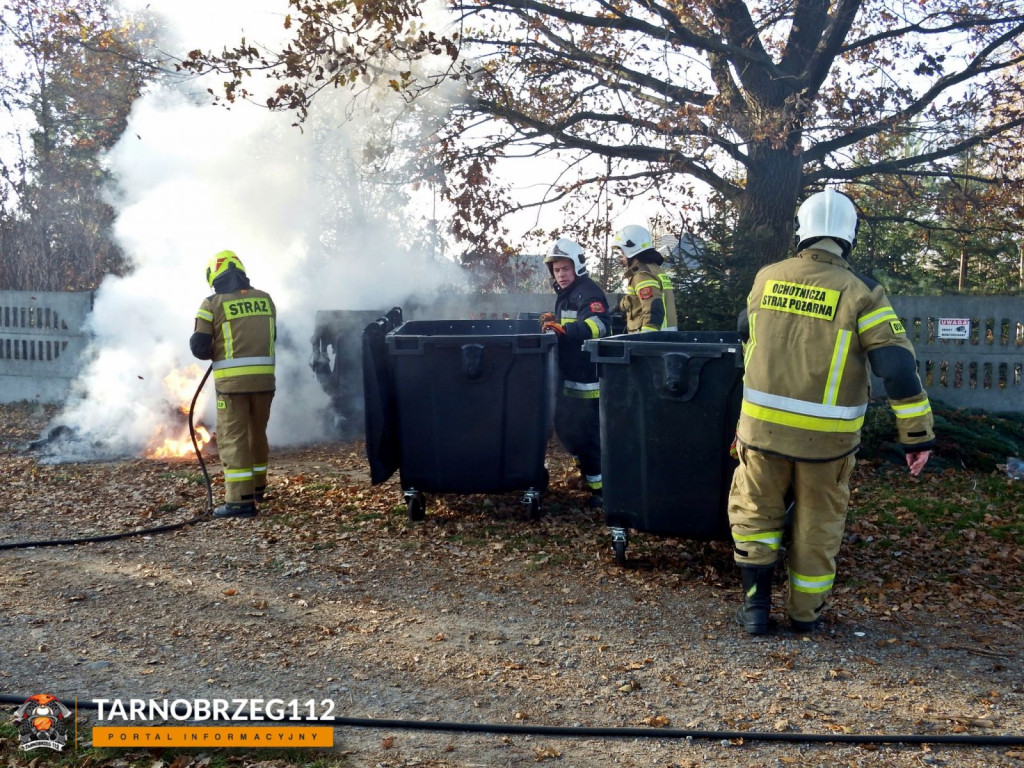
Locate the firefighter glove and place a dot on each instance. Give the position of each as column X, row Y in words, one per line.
column 553, row 326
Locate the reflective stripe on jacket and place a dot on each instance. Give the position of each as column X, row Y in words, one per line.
column 811, row 322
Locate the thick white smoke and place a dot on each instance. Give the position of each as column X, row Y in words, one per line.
column 193, row 179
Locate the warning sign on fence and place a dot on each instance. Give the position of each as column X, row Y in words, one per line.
column 954, row 328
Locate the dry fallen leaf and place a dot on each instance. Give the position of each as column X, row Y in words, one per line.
column 545, row 753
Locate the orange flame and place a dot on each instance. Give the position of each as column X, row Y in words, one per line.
column 179, row 448
column 181, row 386
column 173, row 441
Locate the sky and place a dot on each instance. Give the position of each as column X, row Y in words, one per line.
column 192, row 179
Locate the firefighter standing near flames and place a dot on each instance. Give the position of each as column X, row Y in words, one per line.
column 581, row 313
column 236, row 328
column 648, row 302
column 810, row 329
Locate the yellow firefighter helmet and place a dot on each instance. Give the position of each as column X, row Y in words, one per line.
column 221, row 263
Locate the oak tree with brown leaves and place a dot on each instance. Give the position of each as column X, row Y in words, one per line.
column 759, row 102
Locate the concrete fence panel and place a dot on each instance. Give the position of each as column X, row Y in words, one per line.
column 41, row 343
column 970, row 349
column 984, row 367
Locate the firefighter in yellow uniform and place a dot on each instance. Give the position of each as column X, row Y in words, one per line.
column 236, row 328
column 648, row 302
column 811, row 327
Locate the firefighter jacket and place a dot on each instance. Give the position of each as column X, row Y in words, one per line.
column 582, row 309
column 811, row 327
column 668, row 295
column 242, row 324
column 643, row 303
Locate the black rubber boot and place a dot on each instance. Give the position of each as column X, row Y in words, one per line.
column 236, row 509
column 757, row 598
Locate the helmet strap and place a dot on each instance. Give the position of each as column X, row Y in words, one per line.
column 829, row 244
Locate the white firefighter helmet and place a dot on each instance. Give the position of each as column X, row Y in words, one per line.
column 632, row 240
column 563, row 248
column 827, row 214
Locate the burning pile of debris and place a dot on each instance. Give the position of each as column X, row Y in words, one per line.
column 171, row 437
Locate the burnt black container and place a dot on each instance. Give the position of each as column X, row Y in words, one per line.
column 336, row 361
column 669, row 405
column 460, row 406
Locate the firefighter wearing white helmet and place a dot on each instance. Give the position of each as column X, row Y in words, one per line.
column 810, row 329
column 581, row 313
column 648, row 300
column 236, row 328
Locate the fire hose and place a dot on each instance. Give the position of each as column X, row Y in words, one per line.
column 619, row 732
column 142, row 531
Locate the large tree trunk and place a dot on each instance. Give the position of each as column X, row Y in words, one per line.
column 765, row 213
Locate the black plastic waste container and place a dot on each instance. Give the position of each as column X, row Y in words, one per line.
column 470, row 407
column 669, row 405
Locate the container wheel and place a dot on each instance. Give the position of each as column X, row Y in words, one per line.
column 535, row 508
column 532, row 500
column 416, row 503
column 620, row 538
column 620, row 552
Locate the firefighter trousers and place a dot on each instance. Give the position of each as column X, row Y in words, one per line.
column 578, row 426
column 757, row 512
column 242, row 443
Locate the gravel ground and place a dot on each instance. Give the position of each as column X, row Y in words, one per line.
column 477, row 616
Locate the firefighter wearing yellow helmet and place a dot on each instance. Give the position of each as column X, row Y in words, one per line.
column 648, row 302
column 811, row 327
column 236, row 328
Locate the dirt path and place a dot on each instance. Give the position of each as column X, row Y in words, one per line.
column 477, row 615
